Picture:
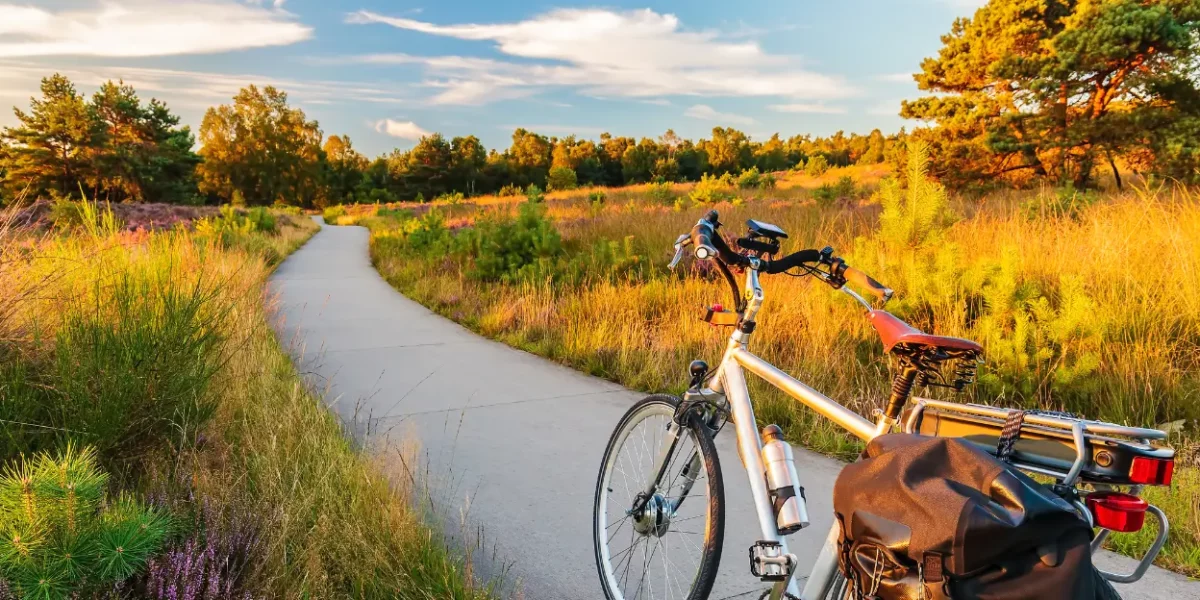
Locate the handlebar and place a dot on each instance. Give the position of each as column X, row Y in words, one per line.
column 707, row 244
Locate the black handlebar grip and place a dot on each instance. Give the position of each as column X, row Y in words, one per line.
column 702, row 234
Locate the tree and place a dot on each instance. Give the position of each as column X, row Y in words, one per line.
column 1048, row 87
column 638, row 161
column 728, row 150
column 428, row 167
column 344, row 170
column 611, row 156
column 56, row 143
column 529, row 157
column 146, row 156
column 262, row 149
column 771, row 155
column 468, row 160
column 561, row 178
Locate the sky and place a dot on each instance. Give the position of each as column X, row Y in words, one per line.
column 387, row 72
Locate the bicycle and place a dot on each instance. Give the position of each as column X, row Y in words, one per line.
column 676, row 459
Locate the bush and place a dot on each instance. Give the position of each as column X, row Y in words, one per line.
column 451, row 198
column 534, row 194
column 750, row 179
column 817, row 166
column 561, row 178
column 661, row 193
column 510, row 190
column 828, row 194
column 332, row 213
column 82, row 215
column 1066, row 203
column 507, row 249
column 711, row 189
column 62, row 537
column 262, row 219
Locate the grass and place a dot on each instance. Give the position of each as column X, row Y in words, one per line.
column 154, row 349
column 1088, row 306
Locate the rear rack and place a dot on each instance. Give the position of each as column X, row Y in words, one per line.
column 1069, row 449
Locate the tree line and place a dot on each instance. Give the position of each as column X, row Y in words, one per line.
column 1024, row 90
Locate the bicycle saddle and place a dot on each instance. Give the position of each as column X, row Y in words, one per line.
column 896, row 333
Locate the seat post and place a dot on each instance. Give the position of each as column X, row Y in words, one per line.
column 901, row 389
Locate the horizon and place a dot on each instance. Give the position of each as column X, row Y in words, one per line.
column 386, row 75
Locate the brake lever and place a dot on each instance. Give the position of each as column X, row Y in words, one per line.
column 680, row 244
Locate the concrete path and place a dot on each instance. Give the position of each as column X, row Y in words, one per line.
column 515, row 440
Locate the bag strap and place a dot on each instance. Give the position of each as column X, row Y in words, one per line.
column 1010, row 435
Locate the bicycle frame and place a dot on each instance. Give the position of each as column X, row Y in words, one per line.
column 728, row 383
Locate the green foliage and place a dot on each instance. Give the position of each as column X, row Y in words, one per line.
column 1065, row 203
column 914, row 215
column 661, row 193
column 711, row 190
column 508, row 249
column 510, row 190
column 816, row 166
column 331, row 214
column 1034, row 88
column 263, row 148
column 750, row 179
column 453, row 198
column 827, row 194
column 534, row 194
column 114, row 146
column 83, row 216
column 561, row 178
column 59, row 535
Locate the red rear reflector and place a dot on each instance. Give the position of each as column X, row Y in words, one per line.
column 1117, row 512
column 1151, row 471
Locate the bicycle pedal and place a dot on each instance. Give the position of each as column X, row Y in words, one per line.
column 769, row 563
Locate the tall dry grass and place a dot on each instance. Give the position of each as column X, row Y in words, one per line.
column 155, row 349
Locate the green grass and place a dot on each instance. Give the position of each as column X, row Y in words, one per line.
column 154, row 349
column 1071, row 316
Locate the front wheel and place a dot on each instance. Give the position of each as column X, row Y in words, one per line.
column 670, row 547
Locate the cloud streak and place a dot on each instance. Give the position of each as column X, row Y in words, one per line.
column 633, row 54
column 139, row 28
column 807, row 108
column 705, row 112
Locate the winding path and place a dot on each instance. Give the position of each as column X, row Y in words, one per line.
column 515, row 440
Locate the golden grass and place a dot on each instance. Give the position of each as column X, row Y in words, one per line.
column 1098, row 313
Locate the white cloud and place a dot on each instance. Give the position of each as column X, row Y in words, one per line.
column 638, row 53
column 705, row 112
column 134, row 28
column 657, row 102
column 406, row 130
column 895, row 78
column 818, row 109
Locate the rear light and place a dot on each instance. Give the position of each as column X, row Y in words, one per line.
column 1151, row 471
column 1117, row 512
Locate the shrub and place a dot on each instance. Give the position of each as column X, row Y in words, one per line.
column 711, row 189
column 661, row 193
column 262, row 219
column 510, row 190
column 534, row 194
column 914, row 215
column 829, row 193
column 561, row 178
column 62, row 537
column 83, row 215
column 816, row 166
column 1066, row 203
column 451, row 198
column 750, row 179
column 508, row 249
column 332, row 213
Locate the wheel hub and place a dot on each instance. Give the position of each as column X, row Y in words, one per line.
column 655, row 518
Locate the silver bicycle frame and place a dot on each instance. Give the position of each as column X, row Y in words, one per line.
column 729, row 380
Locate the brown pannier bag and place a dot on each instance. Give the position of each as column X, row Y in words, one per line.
column 932, row 518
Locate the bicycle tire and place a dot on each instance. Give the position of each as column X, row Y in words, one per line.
column 714, row 530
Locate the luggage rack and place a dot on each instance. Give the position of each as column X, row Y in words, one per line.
column 1069, row 449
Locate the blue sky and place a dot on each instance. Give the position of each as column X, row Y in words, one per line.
column 385, row 72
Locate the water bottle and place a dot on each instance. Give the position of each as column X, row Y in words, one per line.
column 791, row 514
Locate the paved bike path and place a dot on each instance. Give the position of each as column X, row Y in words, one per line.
column 513, row 442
